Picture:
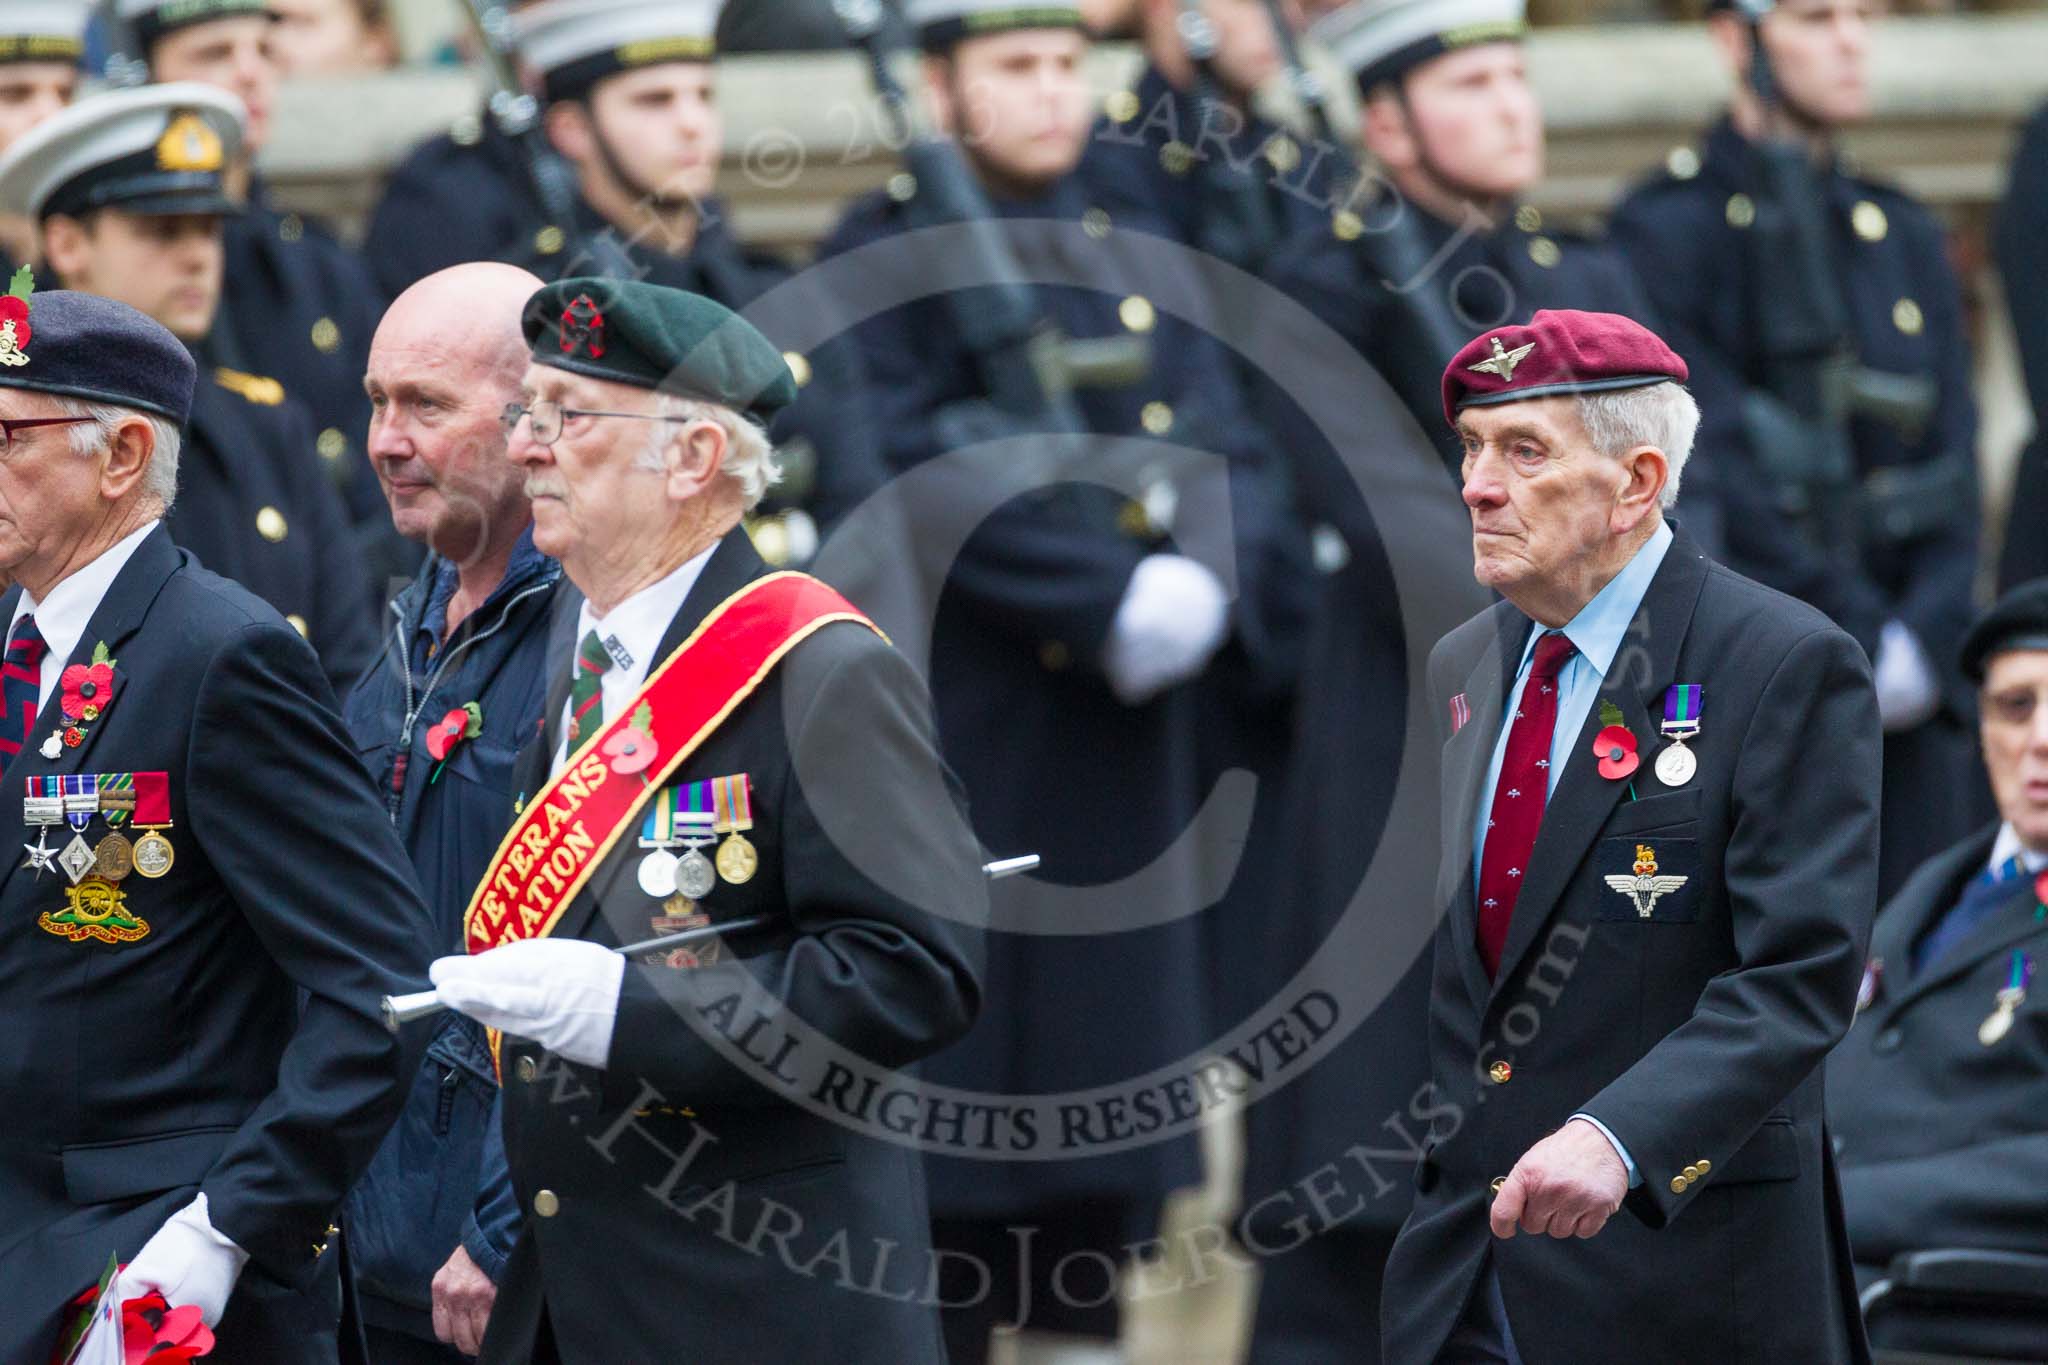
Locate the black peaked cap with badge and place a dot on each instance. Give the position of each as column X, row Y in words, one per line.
column 157, row 150
column 150, row 20
column 653, row 337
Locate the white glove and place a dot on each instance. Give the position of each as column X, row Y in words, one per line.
column 561, row 993
column 188, row 1263
column 1907, row 693
column 1170, row 623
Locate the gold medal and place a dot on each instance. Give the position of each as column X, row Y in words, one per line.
column 733, row 810
column 737, row 861
column 152, row 855
column 114, row 858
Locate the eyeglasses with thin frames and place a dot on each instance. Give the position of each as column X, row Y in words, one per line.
column 10, row 425
column 548, row 417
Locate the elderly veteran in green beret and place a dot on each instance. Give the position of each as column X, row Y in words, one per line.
column 728, row 748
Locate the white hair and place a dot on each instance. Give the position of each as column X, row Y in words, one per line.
column 160, row 480
column 1662, row 415
column 750, row 459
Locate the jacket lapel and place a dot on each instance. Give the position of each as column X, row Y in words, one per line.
column 2009, row 923
column 119, row 616
column 731, row 567
column 1930, row 893
column 1583, row 801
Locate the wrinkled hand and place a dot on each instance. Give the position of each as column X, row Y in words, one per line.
column 561, row 993
column 188, row 1263
column 463, row 1296
column 1172, row 620
column 1567, row 1185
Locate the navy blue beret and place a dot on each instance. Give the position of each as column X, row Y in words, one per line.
column 2018, row 620
column 87, row 347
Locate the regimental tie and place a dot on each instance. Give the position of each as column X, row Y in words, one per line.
column 586, row 689
column 21, row 676
column 1518, row 798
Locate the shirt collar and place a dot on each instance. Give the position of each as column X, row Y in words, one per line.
column 63, row 616
column 639, row 622
column 1601, row 625
column 2008, row 845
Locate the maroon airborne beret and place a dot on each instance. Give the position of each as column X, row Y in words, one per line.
column 1559, row 351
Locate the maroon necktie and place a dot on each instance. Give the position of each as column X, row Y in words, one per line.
column 1517, row 812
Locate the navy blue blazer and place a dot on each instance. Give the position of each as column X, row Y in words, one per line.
column 236, row 1048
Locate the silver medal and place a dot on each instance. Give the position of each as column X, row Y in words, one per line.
column 695, row 877
column 77, row 859
column 1676, row 765
column 658, row 874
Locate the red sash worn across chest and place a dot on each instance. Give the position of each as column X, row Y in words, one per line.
column 563, row 834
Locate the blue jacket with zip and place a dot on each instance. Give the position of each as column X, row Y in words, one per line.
column 440, row 1178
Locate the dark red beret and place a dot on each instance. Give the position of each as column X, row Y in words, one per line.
column 1558, row 351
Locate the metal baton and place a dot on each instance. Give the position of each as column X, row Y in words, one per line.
column 403, row 1009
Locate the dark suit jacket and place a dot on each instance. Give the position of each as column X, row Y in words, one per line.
column 838, row 741
column 236, row 1049
column 1942, row 1140
column 1696, row 1034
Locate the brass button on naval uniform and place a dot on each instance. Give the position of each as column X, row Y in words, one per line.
column 1679, row 1184
column 1692, row 1173
column 1500, row 1073
column 1157, row 418
column 799, row 367
column 1907, row 317
column 1137, row 314
column 1869, row 221
column 1496, row 1183
column 1096, row 223
column 1122, row 107
column 1705, row 1165
column 270, row 524
column 524, row 1069
column 1545, row 252
column 1683, row 163
column 291, row 228
column 1177, row 157
column 550, row 240
column 332, row 445
column 298, row 623
column 1741, row 211
column 546, row 1204
column 1529, row 218
column 326, row 336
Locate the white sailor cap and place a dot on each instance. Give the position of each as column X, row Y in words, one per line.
column 43, row 30
column 574, row 44
column 942, row 23
column 157, row 149
column 1382, row 40
column 152, row 19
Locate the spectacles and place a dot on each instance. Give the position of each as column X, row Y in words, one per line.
column 8, row 426
column 549, row 416
column 2013, row 708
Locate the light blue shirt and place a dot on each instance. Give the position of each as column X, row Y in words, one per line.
column 1597, row 632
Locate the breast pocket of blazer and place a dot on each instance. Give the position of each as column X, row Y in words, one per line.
column 1649, row 878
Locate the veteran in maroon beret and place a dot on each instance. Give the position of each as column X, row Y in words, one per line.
column 1660, row 857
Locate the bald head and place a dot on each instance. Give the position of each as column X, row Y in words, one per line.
column 447, row 358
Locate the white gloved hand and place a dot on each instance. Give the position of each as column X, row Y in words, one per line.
column 561, row 993
column 1907, row 691
column 188, row 1263
column 1169, row 625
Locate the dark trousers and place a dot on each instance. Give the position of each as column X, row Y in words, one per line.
column 1047, row 1279
column 1320, row 1302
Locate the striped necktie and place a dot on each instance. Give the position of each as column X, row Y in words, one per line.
column 586, row 689
column 21, row 682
